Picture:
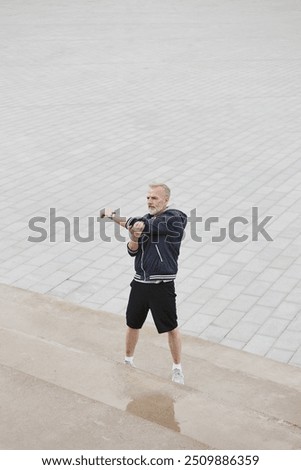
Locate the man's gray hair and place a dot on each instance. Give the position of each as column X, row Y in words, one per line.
column 161, row 185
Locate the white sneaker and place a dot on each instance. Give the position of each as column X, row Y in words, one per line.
column 130, row 364
column 178, row 376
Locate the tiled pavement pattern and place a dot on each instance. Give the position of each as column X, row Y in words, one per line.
column 99, row 98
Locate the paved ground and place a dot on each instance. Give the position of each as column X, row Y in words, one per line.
column 99, row 98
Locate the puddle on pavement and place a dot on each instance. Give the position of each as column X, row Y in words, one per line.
column 155, row 407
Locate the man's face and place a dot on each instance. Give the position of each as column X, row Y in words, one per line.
column 156, row 200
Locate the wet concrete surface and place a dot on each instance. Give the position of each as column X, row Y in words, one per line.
column 157, row 408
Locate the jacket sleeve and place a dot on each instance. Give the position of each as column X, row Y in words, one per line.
column 131, row 252
column 131, row 220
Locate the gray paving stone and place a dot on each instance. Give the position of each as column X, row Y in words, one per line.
column 231, row 268
column 259, row 344
column 286, row 310
column 272, row 298
column 270, row 274
column 288, row 340
column 231, row 343
column 293, row 271
column 294, row 296
column 228, row 318
column 273, row 327
column 115, row 305
column 230, row 291
column 295, row 325
column 214, row 306
column 204, row 271
column 56, row 278
column 285, row 284
column 282, row 262
column 201, row 295
column 197, row 323
column 243, row 331
column 216, row 281
column 220, row 259
column 243, row 302
column 65, row 288
column 14, row 275
column 280, row 355
column 189, row 284
column 257, row 288
column 214, row 333
column 186, row 310
column 257, row 265
column 85, row 275
column 244, row 278
column 258, row 314
column 243, row 256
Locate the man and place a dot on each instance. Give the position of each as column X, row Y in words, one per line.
column 155, row 241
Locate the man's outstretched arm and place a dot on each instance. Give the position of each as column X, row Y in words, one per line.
column 135, row 230
column 112, row 215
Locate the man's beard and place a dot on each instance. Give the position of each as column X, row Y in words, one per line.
column 152, row 210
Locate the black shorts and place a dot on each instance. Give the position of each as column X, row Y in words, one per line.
column 160, row 299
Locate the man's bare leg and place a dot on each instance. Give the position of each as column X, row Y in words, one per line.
column 131, row 339
column 175, row 345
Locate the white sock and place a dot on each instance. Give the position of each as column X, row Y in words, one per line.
column 129, row 359
column 176, row 366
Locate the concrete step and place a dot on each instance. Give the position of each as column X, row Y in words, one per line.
column 189, row 412
column 229, row 375
column 36, row 414
column 68, row 346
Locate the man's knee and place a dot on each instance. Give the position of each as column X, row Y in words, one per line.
column 175, row 332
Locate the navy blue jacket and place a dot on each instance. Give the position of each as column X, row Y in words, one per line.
column 159, row 245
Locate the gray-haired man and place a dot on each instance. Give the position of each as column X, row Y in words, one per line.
column 155, row 241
